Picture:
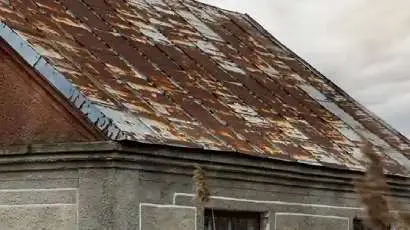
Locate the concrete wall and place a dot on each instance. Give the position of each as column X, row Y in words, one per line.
column 301, row 221
column 287, row 208
column 39, row 201
column 112, row 190
column 102, row 199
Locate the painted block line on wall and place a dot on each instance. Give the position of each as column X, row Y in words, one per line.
column 173, row 217
column 310, row 221
column 38, row 216
column 311, row 215
column 21, row 197
column 267, row 202
column 48, row 209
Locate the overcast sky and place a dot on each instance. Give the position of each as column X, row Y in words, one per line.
column 361, row 45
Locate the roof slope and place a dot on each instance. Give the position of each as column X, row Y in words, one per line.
column 188, row 74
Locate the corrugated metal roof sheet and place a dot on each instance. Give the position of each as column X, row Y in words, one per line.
column 188, row 74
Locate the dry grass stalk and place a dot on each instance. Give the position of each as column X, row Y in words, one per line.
column 202, row 190
column 404, row 221
column 374, row 191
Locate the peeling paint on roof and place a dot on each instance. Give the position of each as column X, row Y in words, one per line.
column 183, row 73
column 199, row 25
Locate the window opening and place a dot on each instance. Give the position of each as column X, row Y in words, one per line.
column 228, row 220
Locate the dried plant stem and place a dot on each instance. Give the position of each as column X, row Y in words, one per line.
column 374, row 193
column 202, row 190
column 373, row 189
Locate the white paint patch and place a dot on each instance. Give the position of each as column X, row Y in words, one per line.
column 188, row 32
column 362, row 131
column 348, row 132
column 144, row 88
column 135, row 108
column 183, row 42
column 341, row 114
column 374, row 139
column 70, row 22
column 161, row 23
column 115, row 92
column 255, row 43
column 282, row 65
column 127, row 122
column 34, row 43
column 115, row 69
column 139, row 4
column 247, row 113
column 355, row 152
column 209, row 48
column 313, row 92
column 218, row 56
column 157, row 2
column 199, row 25
column 47, row 52
column 150, row 31
column 163, row 10
column 155, row 35
column 160, row 127
column 298, row 78
column 230, row 66
column 293, row 132
column 269, row 70
column 206, row 16
column 398, row 157
column 160, row 108
column 91, row 97
column 320, row 154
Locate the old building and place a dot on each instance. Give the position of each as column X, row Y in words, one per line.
column 106, row 106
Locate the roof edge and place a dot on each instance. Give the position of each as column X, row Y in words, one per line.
column 260, row 28
column 69, row 147
column 59, row 82
column 108, row 154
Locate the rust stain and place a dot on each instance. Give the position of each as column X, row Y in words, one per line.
column 186, row 73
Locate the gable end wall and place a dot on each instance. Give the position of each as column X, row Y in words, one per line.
column 30, row 112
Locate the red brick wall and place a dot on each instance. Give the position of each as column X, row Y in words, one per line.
column 29, row 110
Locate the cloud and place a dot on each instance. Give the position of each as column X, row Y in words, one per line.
column 361, row 45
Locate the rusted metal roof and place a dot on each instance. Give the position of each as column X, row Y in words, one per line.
column 179, row 72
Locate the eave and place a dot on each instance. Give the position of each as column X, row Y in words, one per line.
column 181, row 161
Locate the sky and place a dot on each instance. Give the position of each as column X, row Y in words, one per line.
column 361, row 45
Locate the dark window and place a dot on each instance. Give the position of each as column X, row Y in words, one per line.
column 358, row 224
column 224, row 220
